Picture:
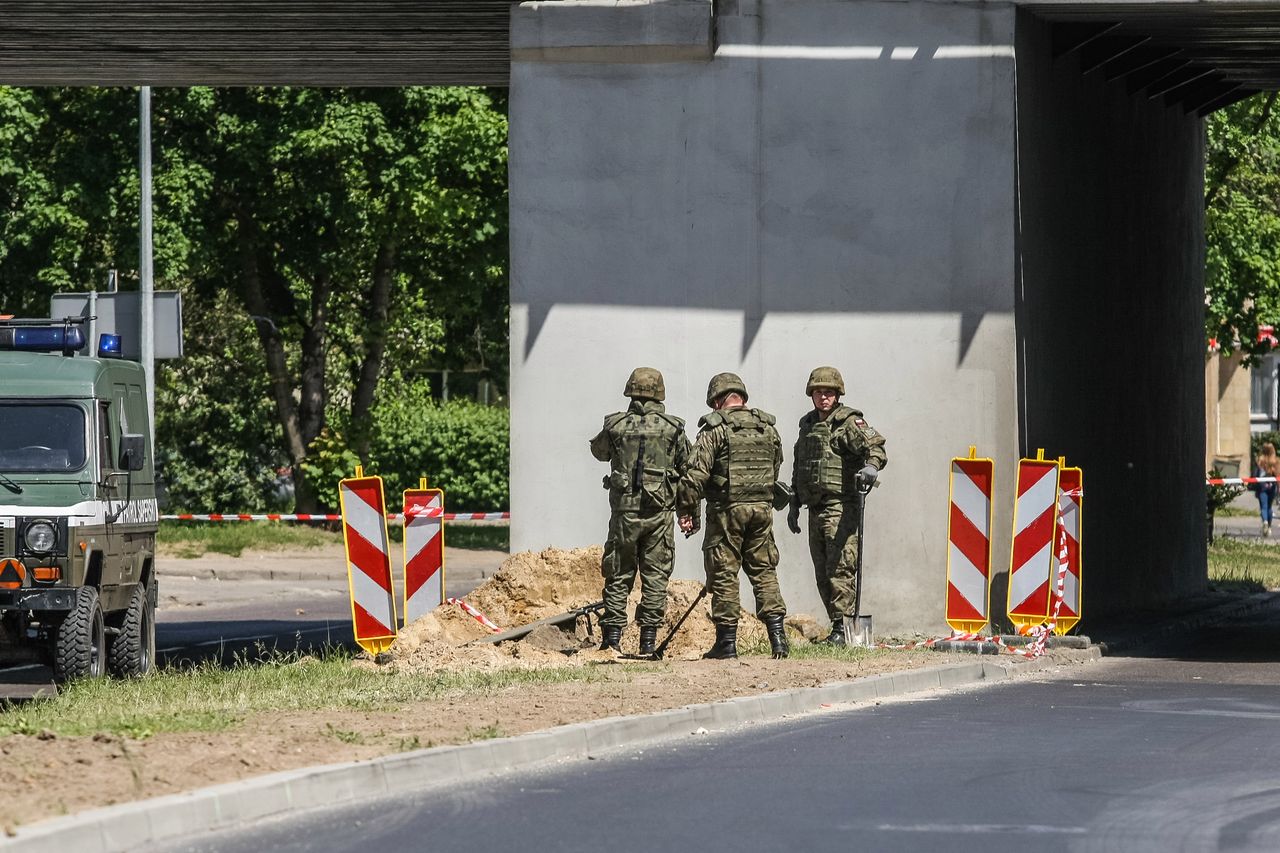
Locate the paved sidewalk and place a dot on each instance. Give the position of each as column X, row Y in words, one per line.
column 464, row 569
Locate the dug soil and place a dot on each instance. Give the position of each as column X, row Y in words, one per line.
column 47, row 775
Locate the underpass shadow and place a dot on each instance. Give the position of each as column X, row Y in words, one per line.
column 1235, row 623
column 231, row 642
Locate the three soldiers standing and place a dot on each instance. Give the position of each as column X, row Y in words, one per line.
column 734, row 466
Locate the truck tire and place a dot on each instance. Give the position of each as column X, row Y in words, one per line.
column 80, row 648
column 133, row 650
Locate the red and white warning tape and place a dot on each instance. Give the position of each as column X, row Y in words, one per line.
column 1039, row 634
column 474, row 614
column 276, row 516
column 1238, row 481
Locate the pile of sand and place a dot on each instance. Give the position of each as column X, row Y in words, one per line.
column 533, row 585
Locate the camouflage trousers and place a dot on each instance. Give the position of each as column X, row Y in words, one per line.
column 833, row 544
column 644, row 543
column 741, row 536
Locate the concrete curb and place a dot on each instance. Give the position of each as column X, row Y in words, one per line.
column 131, row 825
column 1188, row 622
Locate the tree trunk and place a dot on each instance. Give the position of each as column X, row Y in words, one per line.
column 282, row 384
column 375, row 348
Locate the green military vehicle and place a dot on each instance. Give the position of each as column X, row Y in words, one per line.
column 78, row 512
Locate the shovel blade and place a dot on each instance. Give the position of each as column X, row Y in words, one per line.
column 857, row 631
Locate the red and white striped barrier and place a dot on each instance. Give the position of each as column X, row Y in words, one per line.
column 364, row 531
column 423, row 551
column 1035, row 514
column 1070, row 500
column 474, row 614
column 969, row 543
column 461, row 516
column 1238, row 481
column 276, row 516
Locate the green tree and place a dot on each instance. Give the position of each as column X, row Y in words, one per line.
column 347, row 222
column 358, row 235
column 1242, row 224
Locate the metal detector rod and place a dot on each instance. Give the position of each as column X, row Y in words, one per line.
column 660, row 650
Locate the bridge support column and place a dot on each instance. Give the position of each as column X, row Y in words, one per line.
column 778, row 185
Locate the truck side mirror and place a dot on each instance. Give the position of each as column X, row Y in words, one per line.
column 131, row 451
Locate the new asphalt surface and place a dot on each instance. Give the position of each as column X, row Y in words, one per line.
column 1176, row 749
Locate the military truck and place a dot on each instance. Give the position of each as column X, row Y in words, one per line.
column 78, row 512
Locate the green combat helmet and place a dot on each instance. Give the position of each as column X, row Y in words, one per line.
column 825, row 377
column 646, row 383
column 723, row 383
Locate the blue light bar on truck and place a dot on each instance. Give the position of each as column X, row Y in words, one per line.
column 109, row 346
column 66, row 337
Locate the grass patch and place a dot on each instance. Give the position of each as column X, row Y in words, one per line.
column 1245, row 566
column 193, row 538
column 1236, row 512
column 812, row 651
column 489, row 732
column 207, row 698
column 478, row 537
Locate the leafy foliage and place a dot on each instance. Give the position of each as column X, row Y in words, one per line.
column 219, row 440
column 1242, row 225
column 460, row 446
column 331, row 245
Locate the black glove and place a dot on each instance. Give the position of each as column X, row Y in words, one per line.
column 793, row 517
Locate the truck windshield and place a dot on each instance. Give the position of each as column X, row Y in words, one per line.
column 41, row 437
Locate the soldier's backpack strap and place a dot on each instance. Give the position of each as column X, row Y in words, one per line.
column 710, row 420
column 678, row 423
column 842, row 414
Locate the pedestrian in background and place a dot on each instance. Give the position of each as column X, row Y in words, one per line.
column 734, row 465
column 835, row 452
column 646, row 449
column 1266, row 464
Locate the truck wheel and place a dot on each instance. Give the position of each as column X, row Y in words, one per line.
column 133, row 651
column 80, row 649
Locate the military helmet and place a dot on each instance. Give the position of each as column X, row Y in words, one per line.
column 645, row 382
column 824, row 377
column 723, row 383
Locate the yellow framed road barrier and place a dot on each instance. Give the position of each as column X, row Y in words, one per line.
column 969, row 543
column 364, row 533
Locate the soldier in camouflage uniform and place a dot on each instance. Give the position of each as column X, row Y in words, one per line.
column 646, row 449
column 735, row 466
column 836, row 450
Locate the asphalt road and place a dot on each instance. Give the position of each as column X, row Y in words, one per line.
column 1179, row 750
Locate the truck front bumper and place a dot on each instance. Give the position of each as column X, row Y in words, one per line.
column 62, row 598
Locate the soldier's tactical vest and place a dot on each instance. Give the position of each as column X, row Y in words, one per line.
column 821, row 473
column 745, row 473
column 641, row 473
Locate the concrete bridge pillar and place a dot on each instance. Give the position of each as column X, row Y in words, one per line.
column 777, row 184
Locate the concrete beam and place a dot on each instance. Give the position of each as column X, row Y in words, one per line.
column 608, row 31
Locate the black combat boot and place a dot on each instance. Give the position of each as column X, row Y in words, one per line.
column 611, row 638
column 648, row 639
column 777, row 636
column 836, row 637
column 726, row 646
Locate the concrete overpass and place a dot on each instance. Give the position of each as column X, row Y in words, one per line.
column 988, row 214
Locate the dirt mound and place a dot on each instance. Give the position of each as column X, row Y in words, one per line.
column 534, row 585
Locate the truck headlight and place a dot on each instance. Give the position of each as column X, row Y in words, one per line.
column 40, row 537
